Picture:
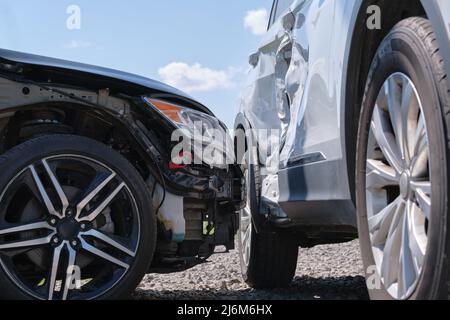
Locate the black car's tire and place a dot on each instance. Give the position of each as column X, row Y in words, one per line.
column 272, row 258
column 128, row 219
column 409, row 51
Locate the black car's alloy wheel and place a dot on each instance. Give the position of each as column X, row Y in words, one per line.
column 73, row 221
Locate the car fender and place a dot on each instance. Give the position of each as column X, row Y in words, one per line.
column 438, row 13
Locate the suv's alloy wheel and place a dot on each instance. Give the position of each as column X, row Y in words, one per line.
column 398, row 185
column 402, row 168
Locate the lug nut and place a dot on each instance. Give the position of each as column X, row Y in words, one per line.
column 74, row 243
column 55, row 240
column 83, row 226
column 53, row 221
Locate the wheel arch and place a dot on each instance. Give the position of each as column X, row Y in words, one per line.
column 241, row 124
column 25, row 122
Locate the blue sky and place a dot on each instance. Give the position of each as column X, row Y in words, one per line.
column 201, row 46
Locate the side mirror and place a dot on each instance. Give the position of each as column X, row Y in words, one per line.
column 254, row 59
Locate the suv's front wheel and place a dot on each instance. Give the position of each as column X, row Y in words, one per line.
column 402, row 167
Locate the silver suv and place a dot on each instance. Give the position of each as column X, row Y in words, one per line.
column 346, row 119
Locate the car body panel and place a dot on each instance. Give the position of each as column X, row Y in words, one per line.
column 296, row 73
column 95, row 76
column 31, row 59
column 438, row 12
column 299, row 88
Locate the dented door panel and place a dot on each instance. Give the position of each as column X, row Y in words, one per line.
column 265, row 103
column 258, row 99
column 309, row 83
column 302, row 99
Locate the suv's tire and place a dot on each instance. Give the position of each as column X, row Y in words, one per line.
column 119, row 220
column 268, row 258
column 406, row 249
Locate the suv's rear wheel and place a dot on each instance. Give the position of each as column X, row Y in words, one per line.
column 402, row 167
column 268, row 259
column 75, row 221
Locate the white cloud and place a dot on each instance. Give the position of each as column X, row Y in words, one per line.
column 256, row 21
column 195, row 77
column 77, row 44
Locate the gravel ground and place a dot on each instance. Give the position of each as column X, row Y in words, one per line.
column 323, row 272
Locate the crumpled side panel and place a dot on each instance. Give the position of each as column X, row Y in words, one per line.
column 310, row 83
column 259, row 103
column 273, row 85
column 292, row 89
column 258, row 99
column 296, row 79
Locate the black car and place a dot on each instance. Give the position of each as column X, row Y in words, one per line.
column 90, row 197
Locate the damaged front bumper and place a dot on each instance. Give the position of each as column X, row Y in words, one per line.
column 196, row 191
column 198, row 212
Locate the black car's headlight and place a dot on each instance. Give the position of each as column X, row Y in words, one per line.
column 197, row 126
column 182, row 117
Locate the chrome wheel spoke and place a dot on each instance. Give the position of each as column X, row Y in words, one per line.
column 379, row 225
column 59, row 190
column 422, row 186
column 407, row 270
column 246, row 236
column 422, row 193
column 391, row 251
column 94, row 190
column 245, row 218
column 418, row 238
column 43, row 193
column 246, row 243
column 54, row 270
column 69, row 281
column 386, row 140
column 108, row 240
column 410, row 110
column 380, row 175
column 419, row 165
column 101, row 254
column 397, row 109
column 29, row 242
column 102, row 206
column 26, row 227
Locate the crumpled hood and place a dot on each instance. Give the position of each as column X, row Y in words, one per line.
column 109, row 75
